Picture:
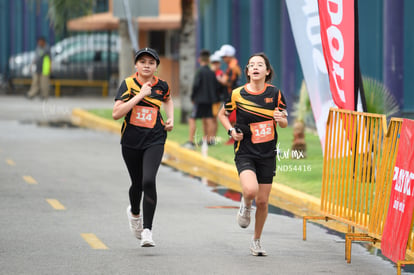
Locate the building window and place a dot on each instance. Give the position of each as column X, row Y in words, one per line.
column 157, row 41
column 166, row 43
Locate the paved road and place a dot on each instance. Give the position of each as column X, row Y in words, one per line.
column 82, row 170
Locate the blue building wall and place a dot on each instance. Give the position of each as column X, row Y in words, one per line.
column 228, row 22
column 408, row 57
column 21, row 22
column 4, row 34
column 370, row 37
column 272, row 40
column 215, row 28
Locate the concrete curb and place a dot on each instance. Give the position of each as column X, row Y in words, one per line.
column 82, row 118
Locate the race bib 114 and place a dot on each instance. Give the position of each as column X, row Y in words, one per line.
column 143, row 116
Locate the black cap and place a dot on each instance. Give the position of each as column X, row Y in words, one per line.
column 148, row 51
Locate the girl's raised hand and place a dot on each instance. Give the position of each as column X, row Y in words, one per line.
column 146, row 89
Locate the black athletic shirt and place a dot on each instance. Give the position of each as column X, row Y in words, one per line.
column 254, row 113
column 205, row 86
column 135, row 135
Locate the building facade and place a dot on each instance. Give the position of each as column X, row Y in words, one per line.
column 385, row 36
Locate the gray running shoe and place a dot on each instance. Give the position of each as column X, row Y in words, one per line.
column 256, row 248
column 243, row 216
column 189, row 145
column 135, row 224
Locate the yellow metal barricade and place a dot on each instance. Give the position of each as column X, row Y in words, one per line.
column 382, row 190
column 359, row 159
column 351, row 165
column 384, row 182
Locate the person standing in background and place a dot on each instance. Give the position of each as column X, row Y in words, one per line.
column 215, row 65
column 232, row 75
column 41, row 75
column 204, row 95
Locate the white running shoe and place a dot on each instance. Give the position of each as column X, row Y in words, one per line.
column 135, row 224
column 243, row 216
column 146, row 238
column 256, row 248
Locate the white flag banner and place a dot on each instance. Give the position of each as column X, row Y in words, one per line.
column 304, row 20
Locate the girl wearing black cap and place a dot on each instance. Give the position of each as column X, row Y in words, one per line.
column 144, row 132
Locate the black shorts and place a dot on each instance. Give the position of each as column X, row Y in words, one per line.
column 265, row 168
column 202, row 110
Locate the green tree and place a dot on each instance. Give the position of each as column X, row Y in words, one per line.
column 60, row 11
column 187, row 56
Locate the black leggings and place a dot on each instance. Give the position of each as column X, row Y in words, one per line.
column 142, row 167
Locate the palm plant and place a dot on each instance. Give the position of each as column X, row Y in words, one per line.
column 60, row 11
column 379, row 98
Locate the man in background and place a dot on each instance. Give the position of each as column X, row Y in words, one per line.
column 215, row 65
column 41, row 74
column 204, row 95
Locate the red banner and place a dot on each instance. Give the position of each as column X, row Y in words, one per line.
column 338, row 43
column 400, row 210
